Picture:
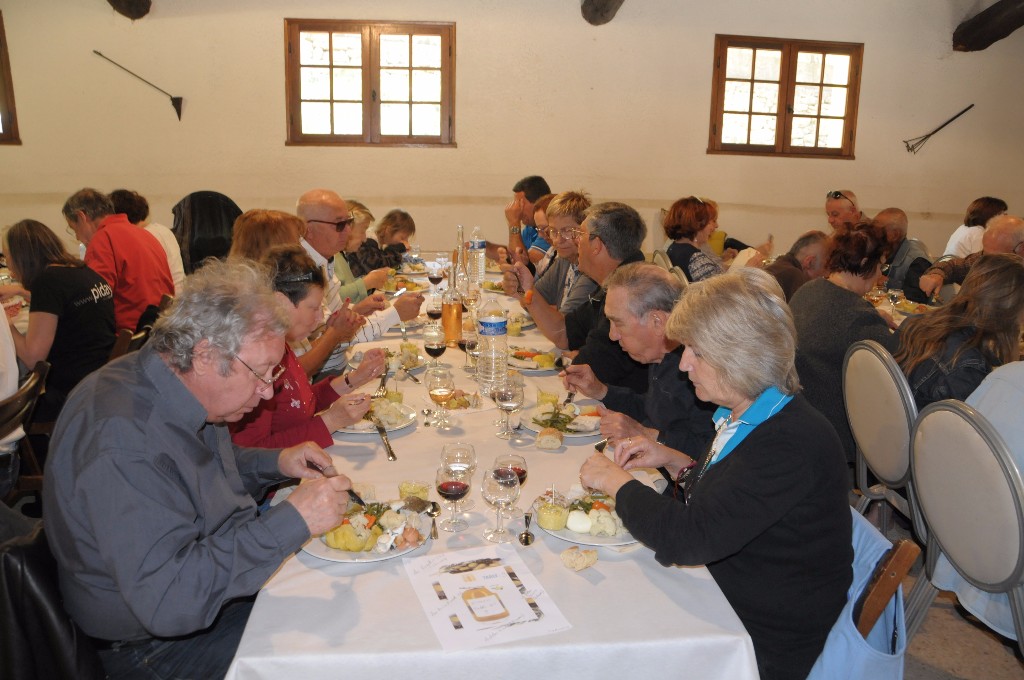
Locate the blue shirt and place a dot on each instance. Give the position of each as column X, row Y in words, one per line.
column 729, row 436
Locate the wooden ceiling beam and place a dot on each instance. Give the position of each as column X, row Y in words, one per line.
column 133, row 9
column 989, row 26
column 598, row 12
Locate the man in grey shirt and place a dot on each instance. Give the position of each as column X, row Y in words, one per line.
column 149, row 507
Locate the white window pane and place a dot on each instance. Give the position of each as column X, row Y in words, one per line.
column 426, row 86
column 426, row 51
column 762, row 130
column 348, row 84
column 1, row 126
column 348, row 49
column 348, row 119
column 808, row 67
column 767, row 65
column 766, row 98
column 804, row 131
column 394, row 50
column 394, row 85
column 737, row 95
column 837, row 69
column 833, row 101
column 830, row 133
column 394, row 119
column 426, row 119
column 313, row 49
column 315, row 83
column 738, row 62
column 805, row 99
column 734, row 128
column 316, row 118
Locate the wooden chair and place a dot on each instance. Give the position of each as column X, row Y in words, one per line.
column 128, row 342
column 660, row 258
column 16, row 411
column 971, row 494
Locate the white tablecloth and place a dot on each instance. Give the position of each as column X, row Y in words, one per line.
column 630, row 616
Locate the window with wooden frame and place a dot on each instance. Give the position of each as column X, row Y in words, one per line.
column 780, row 97
column 370, row 83
column 8, row 118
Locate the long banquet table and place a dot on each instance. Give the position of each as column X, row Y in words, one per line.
column 630, row 616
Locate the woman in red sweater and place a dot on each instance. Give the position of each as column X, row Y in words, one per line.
column 298, row 411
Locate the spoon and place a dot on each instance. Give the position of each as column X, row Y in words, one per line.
column 434, row 510
column 526, row 538
column 427, row 415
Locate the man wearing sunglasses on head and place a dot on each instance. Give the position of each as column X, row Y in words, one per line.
column 842, row 210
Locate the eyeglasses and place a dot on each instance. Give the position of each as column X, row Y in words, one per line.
column 266, row 381
column 568, row 233
column 340, row 225
column 1019, row 244
column 836, row 195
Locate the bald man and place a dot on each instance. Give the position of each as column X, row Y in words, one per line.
column 842, row 210
column 1003, row 234
column 909, row 259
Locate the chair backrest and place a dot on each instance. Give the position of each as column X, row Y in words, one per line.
column 881, row 411
column 660, row 258
column 16, row 409
column 681, row 275
column 128, row 342
column 970, row 490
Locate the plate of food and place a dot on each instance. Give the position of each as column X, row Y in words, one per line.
column 378, row 531
column 571, row 420
column 407, row 356
column 409, row 285
column 492, row 287
column 588, row 520
column 413, row 268
column 392, row 415
column 911, row 308
column 492, row 266
column 531, row 360
column 518, row 322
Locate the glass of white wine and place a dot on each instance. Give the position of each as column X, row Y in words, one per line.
column 441, row 388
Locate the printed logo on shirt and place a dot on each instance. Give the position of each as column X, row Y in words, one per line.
column 101, row 291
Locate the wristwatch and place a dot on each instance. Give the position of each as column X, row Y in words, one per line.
column 515, row 230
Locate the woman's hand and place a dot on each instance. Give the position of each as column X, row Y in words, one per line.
column 376, row 279
column 602, row 474
column 371, row 303
column 373, row 364
column 640, row 452
column 346, row 321
column 345, row 411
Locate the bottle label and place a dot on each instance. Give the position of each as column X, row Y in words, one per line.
column 477, row 244
column 485, row 607
column 493, row 327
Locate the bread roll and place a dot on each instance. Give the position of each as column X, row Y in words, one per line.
column 577, row 559
column 549, row 438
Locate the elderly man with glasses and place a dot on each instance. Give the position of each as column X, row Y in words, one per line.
column 842, row 210
column 149, row 507
column 561, row 285
column 610, row 236
column 1003, row 234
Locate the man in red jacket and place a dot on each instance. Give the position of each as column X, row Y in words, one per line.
column 131, row 260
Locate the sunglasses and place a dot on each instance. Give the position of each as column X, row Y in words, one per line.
column 340, row 225
column 836, row 195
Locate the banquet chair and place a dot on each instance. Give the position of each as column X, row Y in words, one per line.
column 971, row 492
column 128, row 342
column 16, row 411
column 660, row 258
column 681, row 275
column 40, row 640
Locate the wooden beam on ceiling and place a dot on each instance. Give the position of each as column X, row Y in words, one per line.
column 988, row 26
column 133, row 9
column 598, row 12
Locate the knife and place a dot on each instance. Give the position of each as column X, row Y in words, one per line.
column 330, row 471
column 384, row 438
column 409, row 373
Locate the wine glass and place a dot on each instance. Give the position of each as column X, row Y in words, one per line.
column 895, row 296
column 517, row 464
column 452, row 485
column 435, row 275
column 500, row 490
column 471, row 298
column 434, row 307
column 440, row 387
column 460, row 456
column 509, row 396
column 468, row 344
column 433, row 343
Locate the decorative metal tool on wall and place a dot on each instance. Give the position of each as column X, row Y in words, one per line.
column 175, row 101
column 913, row 145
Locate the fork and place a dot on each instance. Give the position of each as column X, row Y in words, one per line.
column 566, row 363
column 381, row 390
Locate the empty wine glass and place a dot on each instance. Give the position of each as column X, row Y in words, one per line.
column 452, row 485
column 460, row 456
column 517, row 464
column 433, row 343
column 468, row 344
column 895, row 297
column 500, row 490
column 509, row 396
column 441, row 388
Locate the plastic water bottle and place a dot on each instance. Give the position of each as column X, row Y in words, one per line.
column 492, row 332
column 477, row 256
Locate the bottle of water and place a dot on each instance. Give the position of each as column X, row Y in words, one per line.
column 492, row 333
column 477, row 256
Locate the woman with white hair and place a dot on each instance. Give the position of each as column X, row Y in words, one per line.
column 765, row 506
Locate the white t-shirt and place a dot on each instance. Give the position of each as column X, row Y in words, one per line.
column 964, row 241
column 173, row 250
column 8, row 382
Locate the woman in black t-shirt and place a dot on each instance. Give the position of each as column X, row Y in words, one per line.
column 71, row 318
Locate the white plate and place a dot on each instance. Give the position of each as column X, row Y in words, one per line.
column 402, row 271
column 317, row 548
column 354, row 362
column 528, row 366
column 410, row 419
column 527, row 421
column 528, row 323
column 586, row 539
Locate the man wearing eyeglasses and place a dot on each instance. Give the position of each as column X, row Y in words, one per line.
column 1003, row 234
column 149, row 507
column 842, row 210
column 328, row 227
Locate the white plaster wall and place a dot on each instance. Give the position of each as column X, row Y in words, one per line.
column 620, row 110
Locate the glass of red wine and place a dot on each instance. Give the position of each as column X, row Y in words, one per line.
column 517, row 464
column 453, row 485
column 433, row 343
column 434, row 308
column 460, row 456
column 435, row 275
